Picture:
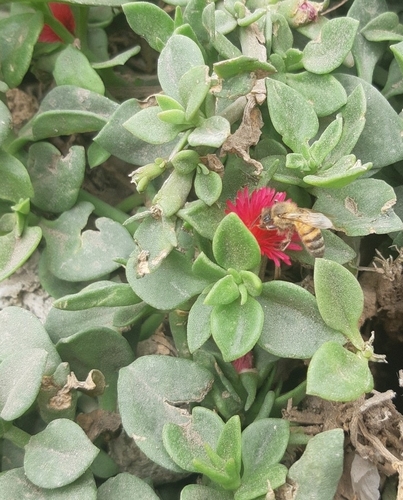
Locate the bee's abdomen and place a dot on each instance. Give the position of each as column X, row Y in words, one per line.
column 313, row 240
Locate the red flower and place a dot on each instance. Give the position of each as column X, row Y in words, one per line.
column 244, row 363
column 62, row 13
column 248, row 208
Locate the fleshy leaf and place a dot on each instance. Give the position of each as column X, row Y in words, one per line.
column 234, row 246
column 67, row 110
column 21, row 328
column 340, row 299
column 76, row 256
column 15, row 484
column 19, row 33
column 343, row 172
column 16, row 249
column 318, row 471
column 360, row 208
column 15, row 182
column 65, row 449
column 172, row 283
column 56, row 179
column 366, row 54
column 296, row 128
column 293, row 326
column 380, row 142
column 212, row 132
column 116, row 139
column 236, row 328
column 125, row 486
column 179, row 55
column 65, row 71
column 184, row 443
column 150, row 22
column 334, row 43
column 148, row 398
column 208, row 186
column 198, row 326
column 325, row 93
column 20, row 380
column 337, row 374
column 146, row 126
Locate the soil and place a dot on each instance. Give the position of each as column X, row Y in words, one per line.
column 373, row 426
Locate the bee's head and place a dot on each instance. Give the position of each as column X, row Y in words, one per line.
column 266, row 220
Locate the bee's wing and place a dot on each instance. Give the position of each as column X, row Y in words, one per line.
column 314, row 219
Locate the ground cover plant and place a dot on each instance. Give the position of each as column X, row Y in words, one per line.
column 146, row 179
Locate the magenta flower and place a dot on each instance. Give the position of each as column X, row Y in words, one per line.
column 244, row 363
column 62, row 13
column 248, row 207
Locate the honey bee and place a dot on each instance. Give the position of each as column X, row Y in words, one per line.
column 286, row 217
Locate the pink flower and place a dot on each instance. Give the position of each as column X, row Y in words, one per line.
column 249, row 208
column 244, row 363
column 62, row 13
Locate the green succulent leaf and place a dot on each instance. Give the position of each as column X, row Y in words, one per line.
column 187, row 443
column 76, row 256
column 125, row 486
column 340, row 299
column 15, row 484
column 148, row 127
column 179, row 55
column 65, row 448
column 168, row 286
column 200, row 492
column 318, row 471
column 296, row 128
column 337, row 374
column 21, row 328
column 150, row 22
column 293, row 326
column 332, row 46
column 15, row 180
column 173, row 193
column 223, row 292
column 325, row 93
column 56, row 179
column 234, row 246
column 212, row 132
column 384, row 27
column 19, row 33
column 198, row 326
column 68, row 109
column 343, row 172
column 362, row 207
column 65, row 71
column 16, row 249
column 148, row 398
column 208, row 186
column 5, row 122
column 380, row 142
column 117, row 140
column 21, row 376
column 236, row 328
column 366, row 54
column 201, row 217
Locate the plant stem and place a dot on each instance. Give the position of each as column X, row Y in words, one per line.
column 134, row 200
column 297, row 395
column 103, row 209
column 298, row 438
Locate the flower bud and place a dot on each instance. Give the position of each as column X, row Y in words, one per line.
column 143, row 175
column 300, row 12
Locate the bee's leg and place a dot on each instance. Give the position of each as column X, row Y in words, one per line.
column 286, row 241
